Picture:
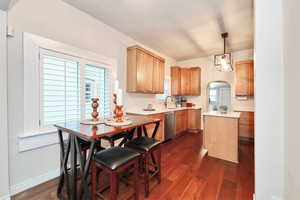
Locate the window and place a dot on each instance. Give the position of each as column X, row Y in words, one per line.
column 100, row 76
column 61, row 95
column 219, row 94
column 60, row 90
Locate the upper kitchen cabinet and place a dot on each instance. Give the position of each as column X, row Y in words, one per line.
column 158, row 76
column 195, row 87
column 186, row 81
column 175, row 81
column 244, row 78
column 145, row 71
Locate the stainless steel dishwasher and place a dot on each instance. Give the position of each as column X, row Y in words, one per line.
column 169, row 125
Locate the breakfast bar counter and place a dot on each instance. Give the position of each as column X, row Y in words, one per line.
column 71, row 151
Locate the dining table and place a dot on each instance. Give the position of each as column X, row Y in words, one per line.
column 72, row 160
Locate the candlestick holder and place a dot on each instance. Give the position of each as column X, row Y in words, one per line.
column 115, row 102
column 118, row 114
column 95, row 106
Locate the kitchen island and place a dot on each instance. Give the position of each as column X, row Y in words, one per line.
column 221, row 133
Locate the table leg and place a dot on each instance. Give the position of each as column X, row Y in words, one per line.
column 85, row 172
column 129, row 136
column 155, row 129
column 139, row 131
column 64, row 175
column 73, row 168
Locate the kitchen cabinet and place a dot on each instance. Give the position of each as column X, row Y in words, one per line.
column 145, row 71
column 186, row 81
column 160, row 135
column 180, row 121
column 195, row 86
column 158, row 76
column 244, row 78
column 175, row 81
column 194, row 120
column 246, row 125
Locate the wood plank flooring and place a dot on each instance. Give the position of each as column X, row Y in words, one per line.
column 187, row 175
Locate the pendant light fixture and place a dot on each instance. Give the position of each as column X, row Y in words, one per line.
column 223, row 62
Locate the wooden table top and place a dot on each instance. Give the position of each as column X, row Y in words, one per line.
column 101, row 130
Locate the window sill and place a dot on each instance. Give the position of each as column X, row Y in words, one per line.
column 36, row 140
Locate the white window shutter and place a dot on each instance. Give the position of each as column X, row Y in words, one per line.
column 60, row 90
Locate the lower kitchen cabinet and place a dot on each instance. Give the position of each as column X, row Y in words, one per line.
column 246, row 125
column 180, row 121
column 188, row 120
column 194, row 120
column 160, row 135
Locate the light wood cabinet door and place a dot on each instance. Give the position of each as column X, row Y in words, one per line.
column 195, row 81
column 161, row 77
column 175, row 80
column 160, row 134
column 244, row 78
column 181, row 121
column 145, row 71
column 194, row 120
column 185, row 82
column 246, row 125
column 140, row 71
column 148, row 74
column 158, row 76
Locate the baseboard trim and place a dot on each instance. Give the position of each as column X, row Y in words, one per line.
column 31, row 182
column 5, row 197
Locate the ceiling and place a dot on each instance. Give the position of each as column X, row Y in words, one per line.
column 181, row 29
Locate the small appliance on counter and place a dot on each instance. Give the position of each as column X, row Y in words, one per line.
column 149, row 108
column 183, row 102
column 223, row 109
column 190, row 104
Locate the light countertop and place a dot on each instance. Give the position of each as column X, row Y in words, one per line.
column 160, row 110
column 218, row 114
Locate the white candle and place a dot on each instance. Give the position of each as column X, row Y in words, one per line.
column 95, row 90
column 119, row 97
column 116, row 86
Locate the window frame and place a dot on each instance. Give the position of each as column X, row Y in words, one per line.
column 82, row 64
column 30, row 137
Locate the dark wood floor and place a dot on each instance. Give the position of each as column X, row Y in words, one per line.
column 187, row 175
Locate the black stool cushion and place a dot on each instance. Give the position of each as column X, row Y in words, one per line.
column 142, row 143
column 115, row 157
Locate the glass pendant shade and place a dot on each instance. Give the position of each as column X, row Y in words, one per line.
column 223, row 62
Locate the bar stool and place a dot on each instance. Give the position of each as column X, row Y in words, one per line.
column 148, row 147
column 113, row 161
column 113, row 137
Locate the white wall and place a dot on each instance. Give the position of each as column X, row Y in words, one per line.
column 291, row 17
column 4, row 180
column 209, row 73
column 269, row 101
column 58, row 21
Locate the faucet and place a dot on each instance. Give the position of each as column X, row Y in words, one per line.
column 166, row 100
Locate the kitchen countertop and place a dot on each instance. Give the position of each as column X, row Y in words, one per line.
column 161, row 110
column 218, row 114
